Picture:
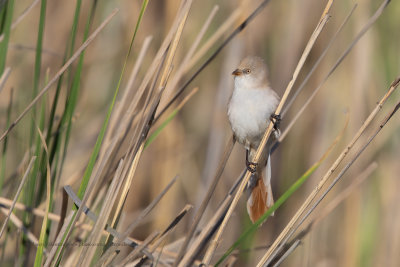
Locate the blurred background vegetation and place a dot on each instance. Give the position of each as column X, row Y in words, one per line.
column 364, row 230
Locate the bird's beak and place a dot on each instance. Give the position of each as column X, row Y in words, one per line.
column 237, row 72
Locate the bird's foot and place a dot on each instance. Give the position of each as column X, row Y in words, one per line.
column 251, row 166
column 276, row 119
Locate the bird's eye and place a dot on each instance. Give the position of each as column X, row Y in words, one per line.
column 247, row 71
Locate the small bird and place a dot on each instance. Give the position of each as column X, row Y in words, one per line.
column 250, row 109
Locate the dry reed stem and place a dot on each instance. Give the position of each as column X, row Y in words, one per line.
column 107, row 261
column 139, row 249
column 48, row 187
column 211, row 58
column 91, row 186
column 348, row 165
column 208, row 230
column 4, row 77
column 20, row 225
column 370, row 22
column 31, row 48
column 211, row 250
column 187, row 98
column 21, row 165
column 21, row 17
column 318, row 188
column 97, row 172
column 128, row 172
column 189, row 55
column 326, row 10
column 174, row 45
column 138, row 139
column 124, row 236
column 156, row 62
column 100, row 167
column 92, row 216
column 227, row 25
column 21, row 184
column 172, row 225
column 230, row 261
column 142, row 215
column 314, row 67
column 206, row 233
column 174, row 36
column 109, row 147
column 127, row 121
column 53, row 250
column 87, row 252
column 138, row 64
column 292, row 247
column 149, row 208
column 133, row 162
column 207, row 198
column 127, row 184
column 158, row 239
column 115, row 119
column 6, row 203
column 163, row 235
column 60, row 72
column 327, row 210
column 19, row 206
column 345, row 193
column 340, row 175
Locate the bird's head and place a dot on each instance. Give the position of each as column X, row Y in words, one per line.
column 252, row 72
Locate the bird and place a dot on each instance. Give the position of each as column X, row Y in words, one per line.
column 250, row 109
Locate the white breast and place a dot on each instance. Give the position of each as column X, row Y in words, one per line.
column 249, row 112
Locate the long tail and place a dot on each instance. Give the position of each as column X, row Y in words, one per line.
column 261, row 198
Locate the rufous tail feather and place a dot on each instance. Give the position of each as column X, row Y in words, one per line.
column 257, row 202
column 261, row 198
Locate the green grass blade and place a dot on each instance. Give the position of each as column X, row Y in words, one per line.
column 38, row 63
column 35, row 188
column 30, row 195
column 46, row 168
column 36, row 81
column 55, row 145
column 34, row 197
column 39, row 47
column 57, row 140
column 157, row 132
column 274, row 207
column 96, row 150
column 6, row 29
column 70, row 107
column 43, row 232
column 67, row 54
column 74, row 91
column 74, row 27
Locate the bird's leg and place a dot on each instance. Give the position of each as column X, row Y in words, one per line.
column 251, row 166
